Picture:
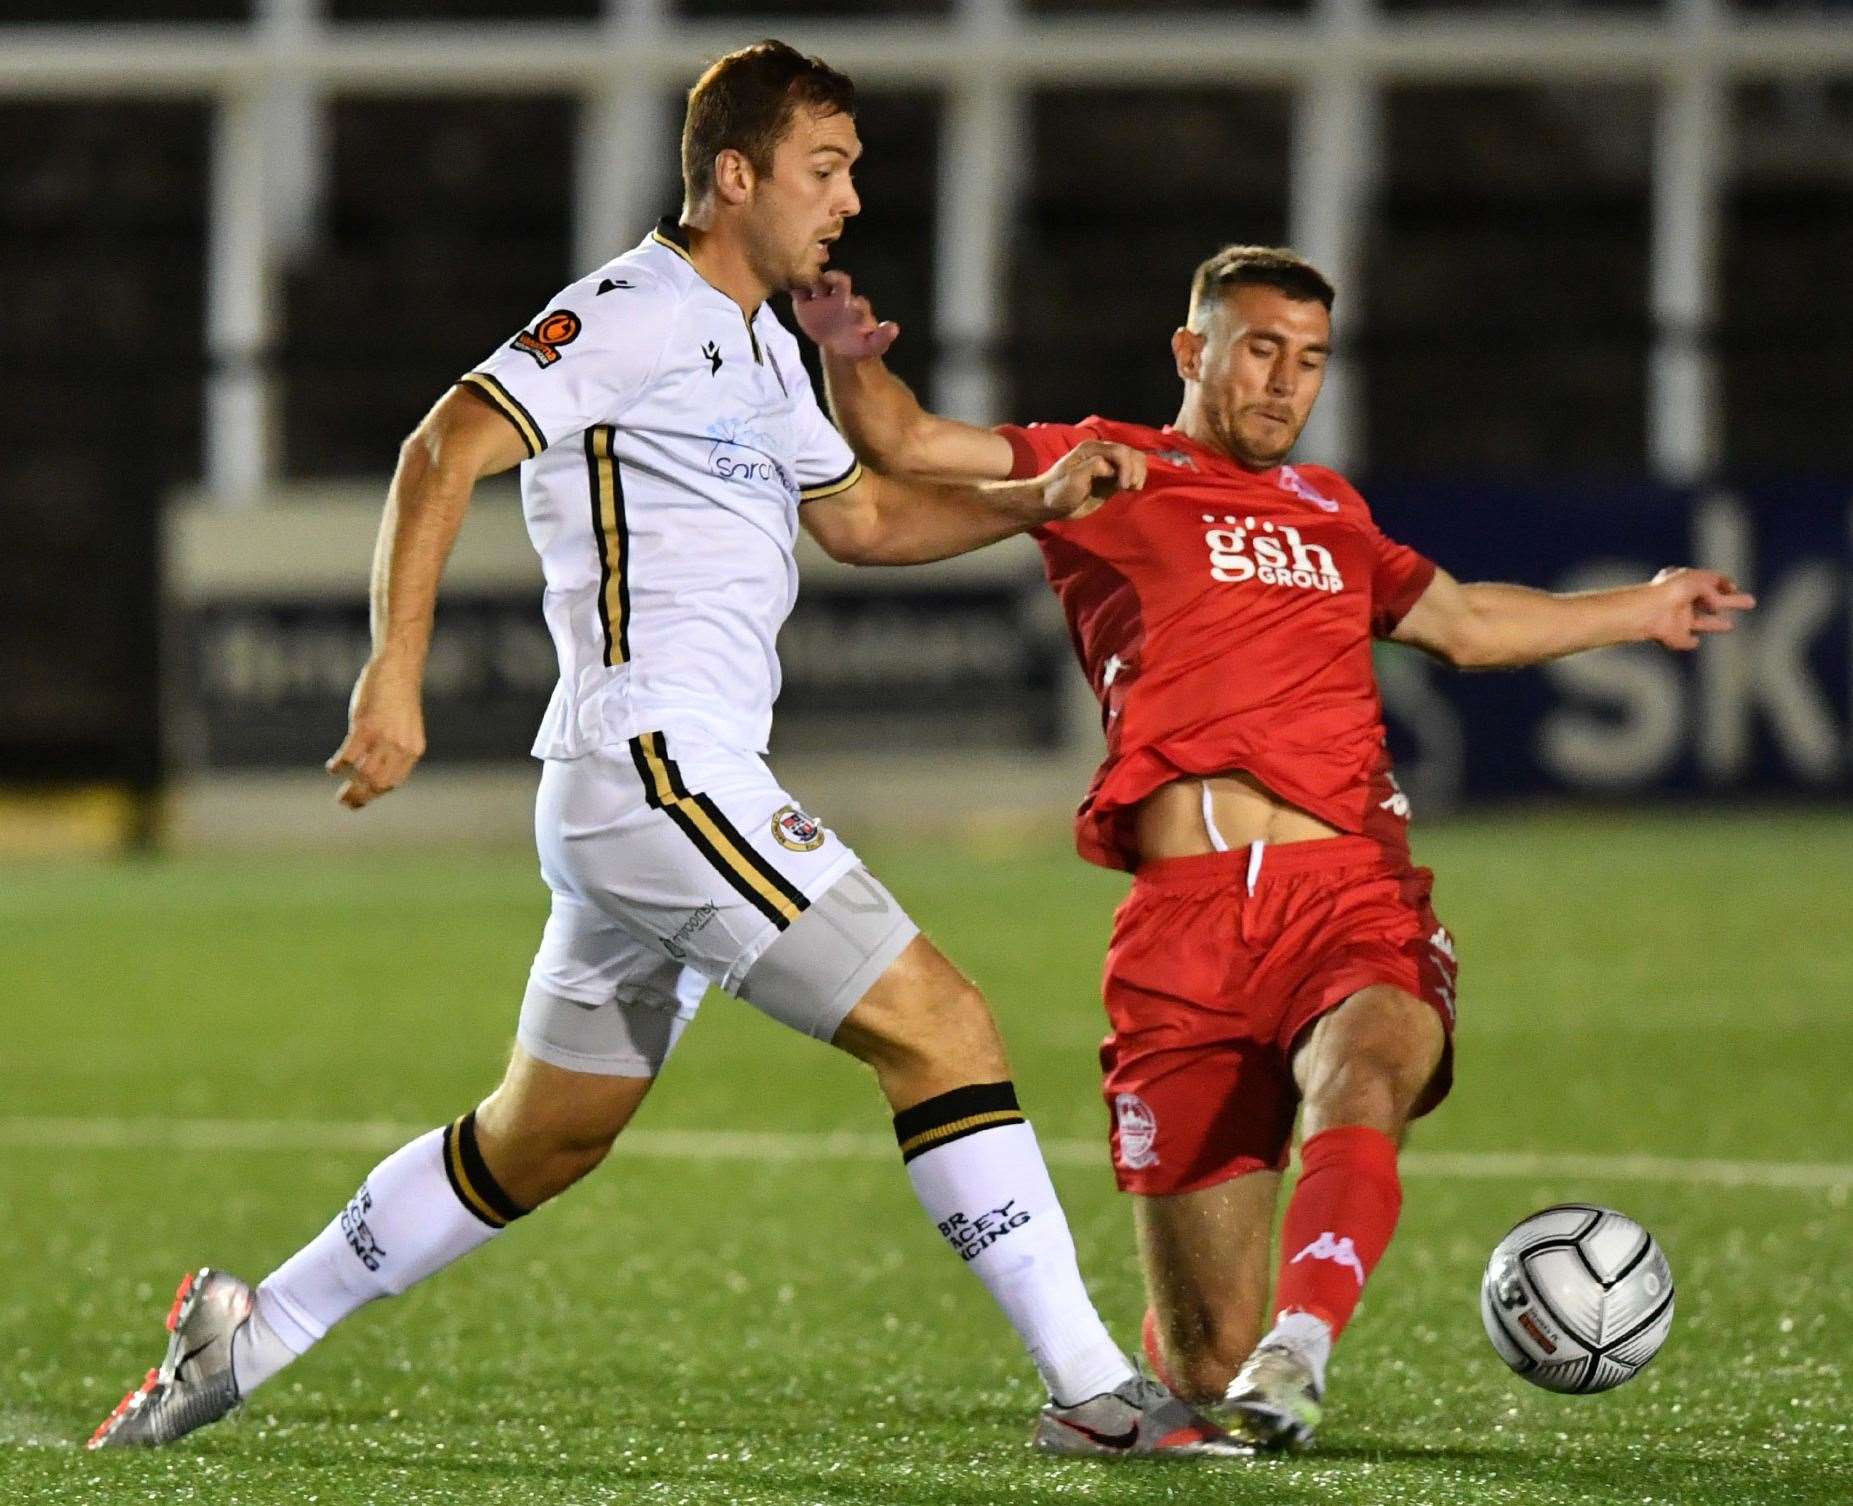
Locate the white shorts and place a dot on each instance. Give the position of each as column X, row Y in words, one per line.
column 670, row 870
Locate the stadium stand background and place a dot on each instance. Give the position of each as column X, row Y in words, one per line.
column 1505, row 329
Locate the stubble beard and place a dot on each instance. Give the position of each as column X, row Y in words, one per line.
column 1255, row 457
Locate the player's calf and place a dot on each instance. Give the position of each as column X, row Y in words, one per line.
column 1205, row 1254
column 967, row 1147
column 1362, row 1071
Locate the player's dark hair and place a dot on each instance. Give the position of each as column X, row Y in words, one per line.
column 1258, row 266
column 744, row 102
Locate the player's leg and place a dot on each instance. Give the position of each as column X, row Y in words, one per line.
column 602, row 1014
column 1205, row 1255
column 1363, row 1069
column 928, row 1035
column 428, row 1204
column 436, row 1199
column 722, row 868
column 1202, row 1105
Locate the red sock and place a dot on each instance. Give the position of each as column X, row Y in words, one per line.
column 1154, row 1350
column 1338, row 1223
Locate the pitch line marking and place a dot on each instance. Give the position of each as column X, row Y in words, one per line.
column 24, row 1133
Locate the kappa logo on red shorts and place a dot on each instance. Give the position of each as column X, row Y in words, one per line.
column 543, row 342
column 1138, row 1127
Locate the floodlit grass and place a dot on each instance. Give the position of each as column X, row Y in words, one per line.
column 722, row 1330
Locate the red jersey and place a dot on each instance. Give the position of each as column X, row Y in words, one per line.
column 1224, row 618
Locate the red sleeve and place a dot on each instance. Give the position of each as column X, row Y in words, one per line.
column 1036, row 447
column 1398, row 574
column 1398, row 578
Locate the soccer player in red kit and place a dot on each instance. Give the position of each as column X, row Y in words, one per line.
column 1277, row 954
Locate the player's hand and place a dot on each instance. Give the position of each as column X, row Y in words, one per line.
column 1689, row 604
column 1087, row 475
column 385, row 735
column 840, row 321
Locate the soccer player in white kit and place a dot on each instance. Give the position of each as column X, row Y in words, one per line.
column 670, row 445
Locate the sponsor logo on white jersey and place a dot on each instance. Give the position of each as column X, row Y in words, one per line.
column 1328, row 1246
column 1273, row 554
column 1138, row 1127
column 743, row 454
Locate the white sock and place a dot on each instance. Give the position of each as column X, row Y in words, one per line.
column 425, row 1205
column 1308, row 1337
column 979, row 1173
column 258, row 1350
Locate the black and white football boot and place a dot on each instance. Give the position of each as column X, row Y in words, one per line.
column 194, row 1385
column 1138, row 1418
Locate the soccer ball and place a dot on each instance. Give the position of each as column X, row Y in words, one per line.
column 1577, row 1298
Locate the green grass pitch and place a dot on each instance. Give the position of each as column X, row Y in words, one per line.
column 770, row 1320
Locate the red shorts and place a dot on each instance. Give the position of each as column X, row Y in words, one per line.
column 1209, row 985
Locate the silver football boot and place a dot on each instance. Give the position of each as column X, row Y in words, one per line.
column 1138, row 1418
column 1274, row 1401
column 194, row 1385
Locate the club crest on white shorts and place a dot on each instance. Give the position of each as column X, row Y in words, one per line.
column 792, row 828
column 1138, row 1128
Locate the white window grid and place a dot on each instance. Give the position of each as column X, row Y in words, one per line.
column 267, row 80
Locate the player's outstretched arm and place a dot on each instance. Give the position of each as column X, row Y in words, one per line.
column 1490, row 626
column 876, row 411
column 460, row 441
column 897, row 520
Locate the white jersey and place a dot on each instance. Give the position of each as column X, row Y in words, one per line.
column 670, row 443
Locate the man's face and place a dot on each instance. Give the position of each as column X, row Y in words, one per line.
column 1258, row 364
column 799, row 207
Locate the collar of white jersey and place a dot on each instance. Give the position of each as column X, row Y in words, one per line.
column 672, row 237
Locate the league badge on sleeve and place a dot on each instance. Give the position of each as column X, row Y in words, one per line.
column 792, row 828
column 543, row 342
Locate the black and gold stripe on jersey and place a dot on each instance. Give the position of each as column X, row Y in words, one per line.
column 480, row 384
column 670, row 235
column 717, row 839
column 469, row 1177
column 605, row 484
column 954, row 1115
column 831, row 487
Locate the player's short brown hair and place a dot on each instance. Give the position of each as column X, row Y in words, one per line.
column 1258, row 266
column 744, row 102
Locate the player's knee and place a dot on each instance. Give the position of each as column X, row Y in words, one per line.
column 544, row 1128
column 924, row 1016
column 953, row 1030
column 1370, row 1061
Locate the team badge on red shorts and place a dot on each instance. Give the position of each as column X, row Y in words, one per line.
column 1138, row 1127
column 793, row 829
